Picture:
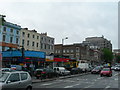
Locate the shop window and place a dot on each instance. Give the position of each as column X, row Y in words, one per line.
column 4, row 37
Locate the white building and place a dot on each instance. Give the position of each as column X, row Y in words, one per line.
column 31, row 40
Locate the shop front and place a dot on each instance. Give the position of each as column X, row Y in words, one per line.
column 60, row 62
column 31, row 58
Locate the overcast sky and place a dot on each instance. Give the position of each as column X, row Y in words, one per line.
column 73, row 19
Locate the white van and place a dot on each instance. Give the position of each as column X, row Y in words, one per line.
column 61, row 71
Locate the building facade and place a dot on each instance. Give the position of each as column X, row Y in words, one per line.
column 78, row 52
column 99, row 42
column 116, row 53
column 31, row 40
column 10, row 35
column 75, row 51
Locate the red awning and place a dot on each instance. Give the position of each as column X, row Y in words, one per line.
column 61, row 60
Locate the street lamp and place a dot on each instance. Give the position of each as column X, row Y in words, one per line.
column 62, row 47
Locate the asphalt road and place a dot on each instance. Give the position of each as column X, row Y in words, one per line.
column 85, row 81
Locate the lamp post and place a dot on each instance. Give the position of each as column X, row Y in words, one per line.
column 62, row 48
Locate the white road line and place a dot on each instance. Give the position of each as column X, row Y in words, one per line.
column 46, row 84
column 88, row 86
column 99, row 78
column 116, row 74
column 71, row 86
column 68, row 86
column 107, row 87
column 116, row 79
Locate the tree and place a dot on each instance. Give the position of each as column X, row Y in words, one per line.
column 117, row 58
column 107, row 55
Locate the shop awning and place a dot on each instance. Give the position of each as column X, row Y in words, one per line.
column 61, row 60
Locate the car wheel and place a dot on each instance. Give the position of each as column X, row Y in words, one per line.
column 110, row 75
column 37, row 77
column 29, row 88
column 101, row 75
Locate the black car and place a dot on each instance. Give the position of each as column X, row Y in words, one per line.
column 75, row 70
column 45, row 73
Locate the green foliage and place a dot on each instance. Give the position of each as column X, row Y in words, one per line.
column 117, row 58
column 107, row 55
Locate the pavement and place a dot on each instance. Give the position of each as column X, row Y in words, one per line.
column 34, row 80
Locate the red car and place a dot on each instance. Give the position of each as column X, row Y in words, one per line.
column 106, row 72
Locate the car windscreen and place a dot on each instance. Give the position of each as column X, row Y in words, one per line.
column 106, row 69
column 3, row 77
column 96, row 68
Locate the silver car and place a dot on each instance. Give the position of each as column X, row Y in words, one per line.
column 15, row 80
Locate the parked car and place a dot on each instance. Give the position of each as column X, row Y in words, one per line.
column 61, row 71
column 45, row 73
column 6, row 69
column 96, row 70
column 113, row 67
column 37, row 73
column 66, row 72
column 106, row 72
column 15, row 80
column 75, row 70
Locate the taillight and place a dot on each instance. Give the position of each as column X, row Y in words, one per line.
column 43, row 72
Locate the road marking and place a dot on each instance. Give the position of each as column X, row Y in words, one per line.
column 107, row 87
column 116, row 79
column 88, row 86
column 116, row 74
column 71, row 86
column 46, row 84
column 95, row 80
column 99, row 78
column 68, row 86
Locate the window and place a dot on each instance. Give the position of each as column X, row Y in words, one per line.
column 48, row 46
column 51, row 47
column 28, row 35
column 24, row 76
column 71, row 51
column 56, row 51
column 4, row 29
column 16, row 40
column 63, row 51
column 23, row 34
column 67, row 51
column 45, row 39
column 37, row 45
column 4, row 38
column 17, row 32
column 49, row 41
column 45, row 46
column 3, row 48
column 41, row 45
column 32, row 43
column 52, row 41
column 11, row 39
column 11, row 30
column 41, row 38
column 77, row 49
column 23, row 42
column 33, row 36
column 28, row 43
column 37, row 37
column 14, row 77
